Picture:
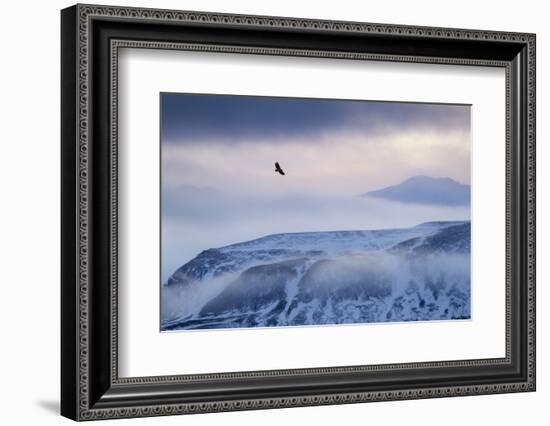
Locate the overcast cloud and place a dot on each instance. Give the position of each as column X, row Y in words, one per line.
column 218, row 152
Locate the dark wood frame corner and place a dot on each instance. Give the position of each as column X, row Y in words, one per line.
column 91, row 36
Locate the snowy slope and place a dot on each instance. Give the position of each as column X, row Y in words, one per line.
column 416, row 273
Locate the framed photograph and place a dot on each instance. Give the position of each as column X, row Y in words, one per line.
column 263, row 212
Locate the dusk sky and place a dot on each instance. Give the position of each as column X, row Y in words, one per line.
column 218, row 154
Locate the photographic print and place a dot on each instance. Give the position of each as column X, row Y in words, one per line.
column 281, row 212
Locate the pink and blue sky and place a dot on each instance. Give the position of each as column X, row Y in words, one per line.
column 218, row 152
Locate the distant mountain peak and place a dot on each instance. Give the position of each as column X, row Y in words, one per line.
column 426, row 190
column 424, row 178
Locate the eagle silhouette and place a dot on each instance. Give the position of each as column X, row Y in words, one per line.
column 278, row 169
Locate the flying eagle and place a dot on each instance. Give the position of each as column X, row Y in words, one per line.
column 278, row 168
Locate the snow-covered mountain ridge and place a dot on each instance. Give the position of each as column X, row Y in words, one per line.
column 416, row 273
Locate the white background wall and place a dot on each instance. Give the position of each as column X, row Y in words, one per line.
column 29, row 225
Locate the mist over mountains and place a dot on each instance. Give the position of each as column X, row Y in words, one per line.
column 198, row 217
column 338, row 277
column 243, row 246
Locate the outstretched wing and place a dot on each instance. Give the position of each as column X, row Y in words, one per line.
column 278, row 168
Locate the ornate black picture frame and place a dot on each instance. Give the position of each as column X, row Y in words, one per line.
column 90, row 385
